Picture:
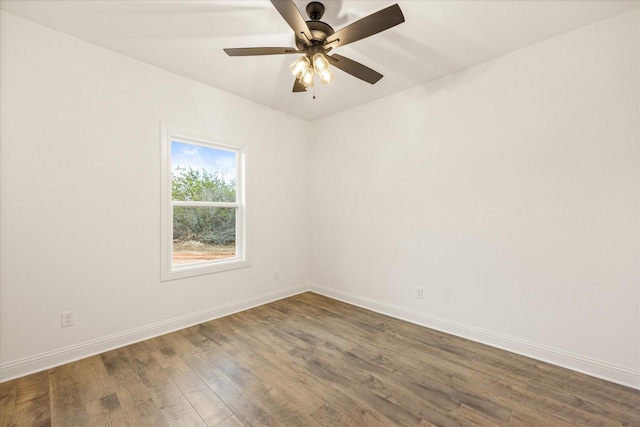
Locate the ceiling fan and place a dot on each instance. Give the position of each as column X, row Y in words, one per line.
column 314, row 39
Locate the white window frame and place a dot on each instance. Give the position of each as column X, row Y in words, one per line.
column 169, row 271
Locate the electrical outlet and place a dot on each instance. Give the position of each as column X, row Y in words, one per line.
column 419, row 292
column 67, row 318
column 276, row 275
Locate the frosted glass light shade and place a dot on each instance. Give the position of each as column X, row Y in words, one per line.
column 326, row 76
column 299, row 66
column 307, row 77
column 320, row 63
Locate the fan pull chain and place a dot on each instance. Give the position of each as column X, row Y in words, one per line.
column 314, row 91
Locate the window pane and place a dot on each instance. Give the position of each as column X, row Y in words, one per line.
column 202, row 174
column 203, row 234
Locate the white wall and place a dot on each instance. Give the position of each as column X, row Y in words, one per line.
column 80, row 199
column 509, row 192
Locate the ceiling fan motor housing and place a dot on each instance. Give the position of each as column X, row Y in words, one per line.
column 319, row 30
column 319, row 33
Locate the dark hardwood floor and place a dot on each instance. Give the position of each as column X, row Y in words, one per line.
column 312, row 361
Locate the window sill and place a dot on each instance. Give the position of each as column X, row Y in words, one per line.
column 200, row 269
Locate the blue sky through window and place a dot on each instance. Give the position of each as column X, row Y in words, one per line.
column 200, row 157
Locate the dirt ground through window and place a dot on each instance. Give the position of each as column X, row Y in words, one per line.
column 191, row 251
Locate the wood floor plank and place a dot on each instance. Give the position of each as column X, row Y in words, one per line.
column 106, row 411
column 232, row 421
column 310, row 360
column 69, row 396
column 239, row 401
column 526, row 418
column 135, row 400
column 475, row 417
column 204, row 401
column 176, row 409
column 26, row 401
column 8, row 396
column 91, row 402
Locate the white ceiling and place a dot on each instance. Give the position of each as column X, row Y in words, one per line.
column 438, row 38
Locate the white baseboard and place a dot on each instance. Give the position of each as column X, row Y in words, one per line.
column 595, row 368
column 40, row 362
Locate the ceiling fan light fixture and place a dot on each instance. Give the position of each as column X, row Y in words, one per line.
column 299, row 66
column 307, row 77
column 320, row 63
column 326, row 76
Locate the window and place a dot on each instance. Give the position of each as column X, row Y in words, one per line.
column 203, row 212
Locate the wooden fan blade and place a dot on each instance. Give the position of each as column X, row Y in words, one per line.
column 291, row 14
column 298, row 87
column 354, row 68
column 250, row 51
column 367, row 26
